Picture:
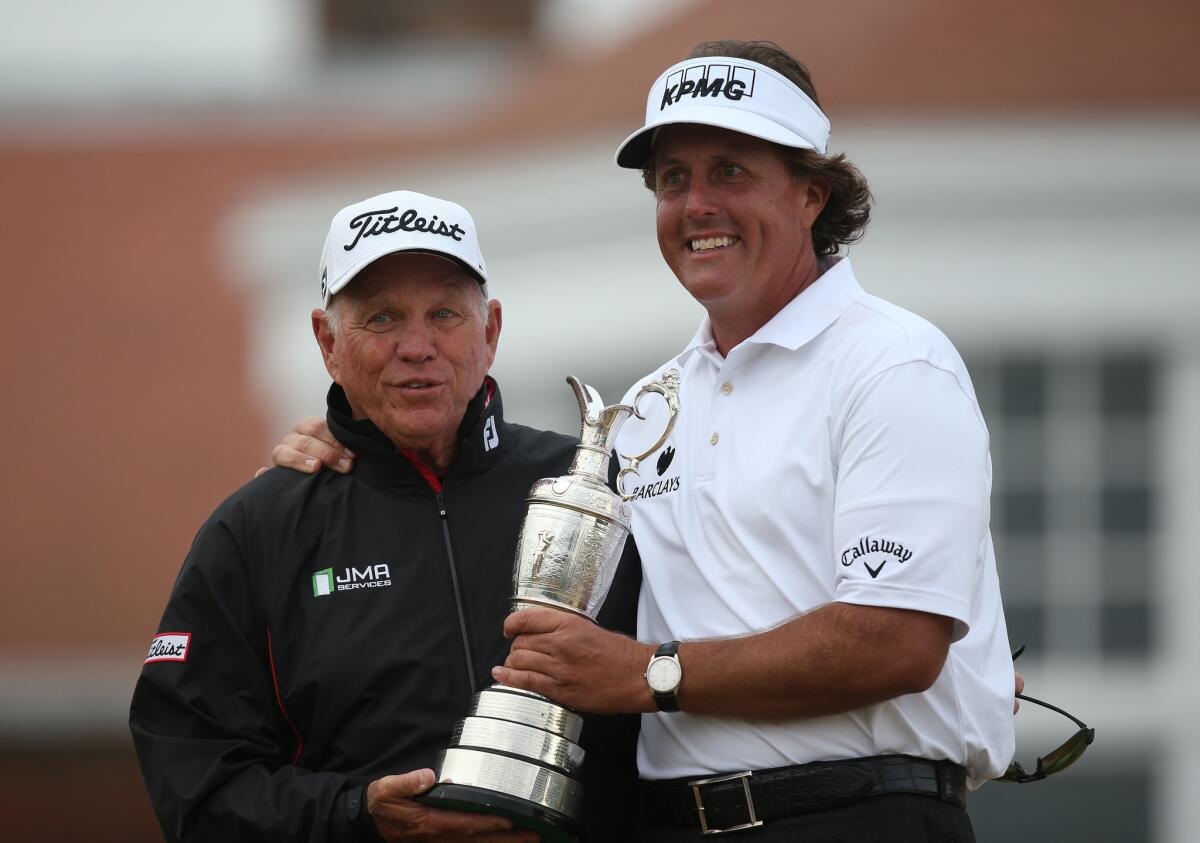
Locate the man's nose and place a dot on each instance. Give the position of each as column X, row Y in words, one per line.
column 415, row 344
column 701, row 200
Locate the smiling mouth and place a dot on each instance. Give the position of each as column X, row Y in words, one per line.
column 708, row 244
column 416, row 385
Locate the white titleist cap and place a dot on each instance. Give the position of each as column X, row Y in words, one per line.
column 736, row 94
column 400, row 221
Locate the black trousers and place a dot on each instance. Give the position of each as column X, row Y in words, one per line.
column 893, row 818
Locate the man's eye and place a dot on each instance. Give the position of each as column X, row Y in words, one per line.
column 670, row 178
column 444, row 313
column 729, row 170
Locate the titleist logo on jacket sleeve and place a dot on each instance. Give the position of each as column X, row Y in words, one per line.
column 169, row 647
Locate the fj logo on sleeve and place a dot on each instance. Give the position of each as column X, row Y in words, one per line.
column 491, row 437
column 875, row 553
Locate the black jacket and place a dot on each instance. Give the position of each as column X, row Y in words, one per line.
column 290, row 698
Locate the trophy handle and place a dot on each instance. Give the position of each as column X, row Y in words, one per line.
column 668, row 388
column 590, row 404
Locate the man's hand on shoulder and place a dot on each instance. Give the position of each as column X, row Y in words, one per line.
column 309, row 447
column 399, row 818
column 575, row 662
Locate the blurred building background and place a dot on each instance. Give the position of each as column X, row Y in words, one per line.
column 167, row 173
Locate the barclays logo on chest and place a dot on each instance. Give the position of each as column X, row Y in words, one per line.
column 665, row 486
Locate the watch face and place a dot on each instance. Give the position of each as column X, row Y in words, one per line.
column 663, row 675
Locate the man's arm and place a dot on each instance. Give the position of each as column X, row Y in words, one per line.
column 915, row 471
column 836, row 658
column 218, row 756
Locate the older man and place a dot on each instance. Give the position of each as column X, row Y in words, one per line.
column 327, row 631
column 821, row 642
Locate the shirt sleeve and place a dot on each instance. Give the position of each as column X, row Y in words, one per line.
column 216, row 752
column 913, row 488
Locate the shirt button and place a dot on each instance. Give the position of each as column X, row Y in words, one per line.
column 727, row 387
column 713, row 439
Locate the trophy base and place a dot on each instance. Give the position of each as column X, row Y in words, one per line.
column 550, row 824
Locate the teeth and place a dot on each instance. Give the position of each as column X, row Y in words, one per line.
column 712, row 243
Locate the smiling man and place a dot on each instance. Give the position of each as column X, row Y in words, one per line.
column 821, row 653
column 411, row 356
column 326, row 631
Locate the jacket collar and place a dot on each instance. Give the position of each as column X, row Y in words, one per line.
column 378, row 458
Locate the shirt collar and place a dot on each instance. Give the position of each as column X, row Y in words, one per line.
column 803, row 318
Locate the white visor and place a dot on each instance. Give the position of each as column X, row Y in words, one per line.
column 736, row 94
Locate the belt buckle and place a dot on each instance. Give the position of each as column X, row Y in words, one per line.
column 754, row 821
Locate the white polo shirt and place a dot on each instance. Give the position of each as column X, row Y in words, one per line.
column 838, row 454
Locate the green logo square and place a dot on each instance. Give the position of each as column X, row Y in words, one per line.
column 323, row 583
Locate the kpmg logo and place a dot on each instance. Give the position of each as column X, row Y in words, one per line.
column 708, row 80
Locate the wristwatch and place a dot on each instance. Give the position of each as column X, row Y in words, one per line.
column 664, row 675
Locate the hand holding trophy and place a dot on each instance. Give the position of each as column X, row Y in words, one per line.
column 516, row 753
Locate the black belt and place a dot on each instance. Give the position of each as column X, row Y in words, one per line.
column 744, row 800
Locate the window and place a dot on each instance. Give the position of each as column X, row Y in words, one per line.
column 1074, row 497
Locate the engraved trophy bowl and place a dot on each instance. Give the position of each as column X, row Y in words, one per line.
column 517, row 753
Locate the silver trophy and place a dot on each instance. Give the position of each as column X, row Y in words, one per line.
column 516, row 753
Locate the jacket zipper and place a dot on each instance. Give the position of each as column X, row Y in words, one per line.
column 458, row 603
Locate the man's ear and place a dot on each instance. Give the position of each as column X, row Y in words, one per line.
column 325, row 340
column 816, row 194
column 495, row 318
